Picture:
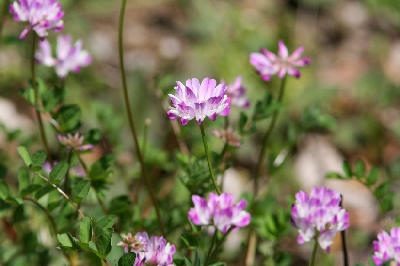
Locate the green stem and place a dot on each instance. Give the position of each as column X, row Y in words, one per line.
column 263, row 150
column 3, row 12
column 203, row 135
column 222, row 240
column 103, row 207
column 344, row 245
column 314, row 253
column 37, row 102
column 214, row 238
column 62, row 193
column 51, row 219
column 130, row 117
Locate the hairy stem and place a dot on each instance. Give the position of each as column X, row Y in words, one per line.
column 203, row 135
column 130, row 117
column 214, row 238
column 62, row 193
column 314, row 252
column 37, row 101
column 103, row 207
column 51, row 219
column 263, row 150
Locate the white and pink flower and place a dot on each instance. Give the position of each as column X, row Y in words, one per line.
column 268, row 64
column 387, row 247
column 319, row 215
column 42, row 15
column 219, row 211
column 195, row 100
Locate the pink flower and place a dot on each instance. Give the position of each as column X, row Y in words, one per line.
column 219, row 211
column 74, row 142
column 320, row 212
column 69, row 58
column 268, row 64
column 197, row 100
column 153, row 251
column 387, row 247
column 237, row 93
column 42, row 15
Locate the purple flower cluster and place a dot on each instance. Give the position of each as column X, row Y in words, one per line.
column 69, row 57
column 387, row 247
column 195, row 100
column 219, row 211
column 319, row 216
column 149, row 251
column 268, row 64
column 42, row 15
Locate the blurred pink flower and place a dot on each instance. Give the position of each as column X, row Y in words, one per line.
column 197, row 100
column 219, row 211
column 227, row 135
column 268, row 64
column 69, row 58
column 74, row 142
column 149, row 251
column 237, row 93
column 387, row 247
column 319, row 212
column 42, row 15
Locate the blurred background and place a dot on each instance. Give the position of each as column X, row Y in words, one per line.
column 345, row 106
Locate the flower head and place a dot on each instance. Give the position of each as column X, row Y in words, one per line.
column 319, row 215
column 236, row 92
column 197, row 100
column 228, row 135
column 268, row 64
column 42, row 15
column 387, row 247
column 74, row 142
column 69, row 57
column 149, row 251
column 219, row 211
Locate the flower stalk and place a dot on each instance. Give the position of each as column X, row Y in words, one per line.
column 263, row 150
column 203, row 135
column 37, row 102
column 130, row 117
column 314, row 253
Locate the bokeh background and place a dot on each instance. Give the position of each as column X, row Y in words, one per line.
column 346, row 105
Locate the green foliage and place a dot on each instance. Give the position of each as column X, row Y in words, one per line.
column 127, row 259
column 38, row 159
column 25, row 155
column 58, row 172
column 52, row 97
column 381, row 192
column 68, row 117
column 266, row 107
column 314, row 119
column 80, row 190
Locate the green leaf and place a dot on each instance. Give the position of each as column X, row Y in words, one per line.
column 23, row 179
column 25, row 155
column 93, row 136
column 68, row 117
column 38, row 159
column 4, row 192
column 347, row 170
column 85, row 230
column 59, row 171
column 104, row 241
column 190, row 241
column 127, row 259
column 28, row 95
column 53, row 200
column 373, row 176
column 333, row 175
column 382, row 189
column 100, row 167
column 359, row 169
column 218, row 264
column 105, row 223
column 82, row 245
column 52, row 97
column 65, row 240
column 80, row 190
column 3, row 171
column 30, row 189
column 43, row 191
